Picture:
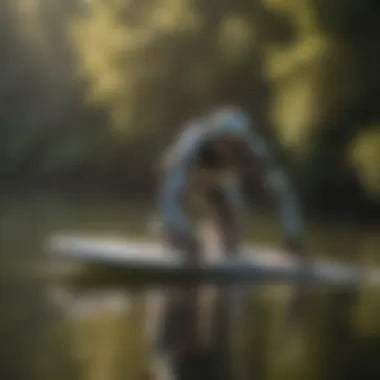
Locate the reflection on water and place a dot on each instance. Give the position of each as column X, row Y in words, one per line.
column 340, row 339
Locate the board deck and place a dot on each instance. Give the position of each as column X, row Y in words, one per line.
column 120, row 258
column 122, row 251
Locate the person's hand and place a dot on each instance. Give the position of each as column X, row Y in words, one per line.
column 192, row 251
column 294, row 247
column 189, row 247
column 297, row 253
column 231, row 245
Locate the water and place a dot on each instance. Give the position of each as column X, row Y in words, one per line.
column 340, row 338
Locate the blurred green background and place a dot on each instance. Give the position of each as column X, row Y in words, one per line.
column 92, row 91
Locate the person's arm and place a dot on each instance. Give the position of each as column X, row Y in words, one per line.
column 229, row 204
column 174, row 218
column 289, row 207
column 175, row 221
column 284, row 194
column 174, row 180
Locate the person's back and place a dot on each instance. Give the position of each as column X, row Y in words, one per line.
column 208, row 156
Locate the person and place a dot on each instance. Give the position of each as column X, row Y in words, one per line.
column 203, row 170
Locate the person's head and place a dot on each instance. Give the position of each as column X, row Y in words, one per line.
column 229, row 121
column 229, row 127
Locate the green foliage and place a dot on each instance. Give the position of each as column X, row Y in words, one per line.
column 86, row 87
column 364, row 154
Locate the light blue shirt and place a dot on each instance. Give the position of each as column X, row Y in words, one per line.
column 181, row 160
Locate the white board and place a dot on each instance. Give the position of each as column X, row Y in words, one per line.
column 254, row 263
column 123, row 250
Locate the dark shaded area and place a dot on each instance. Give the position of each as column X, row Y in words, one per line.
column 53, row 139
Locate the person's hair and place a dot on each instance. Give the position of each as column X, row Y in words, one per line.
column 230, row 109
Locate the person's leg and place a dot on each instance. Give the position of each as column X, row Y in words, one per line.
column 185, row 317
column 175, row 336
column 226, row 212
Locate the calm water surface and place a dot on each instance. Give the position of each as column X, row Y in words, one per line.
column 342, row 332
